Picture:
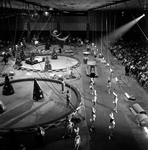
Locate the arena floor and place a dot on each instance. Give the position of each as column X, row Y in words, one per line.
column 127, row 135
column 23, row 112
column 62, row 62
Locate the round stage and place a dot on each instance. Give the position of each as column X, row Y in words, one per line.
column 65, row 59
column 57, row 64
column 23, row 112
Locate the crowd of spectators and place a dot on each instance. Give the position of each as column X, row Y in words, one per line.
column 133, row 53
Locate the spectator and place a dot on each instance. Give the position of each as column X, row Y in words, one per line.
column 133, row 54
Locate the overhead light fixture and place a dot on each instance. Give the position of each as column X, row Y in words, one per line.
column 143, row 15
column 50, row 8
column 46, row 13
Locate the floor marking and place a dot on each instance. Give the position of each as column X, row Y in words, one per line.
column 34, row 106
column 124, row 82
column 15, row 106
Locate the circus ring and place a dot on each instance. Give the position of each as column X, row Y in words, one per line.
column 23, row 114
column 59, row 64
column 65, row 59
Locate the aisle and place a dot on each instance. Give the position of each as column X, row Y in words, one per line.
column 124, row 138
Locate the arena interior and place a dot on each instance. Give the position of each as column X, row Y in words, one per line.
column 74, row 75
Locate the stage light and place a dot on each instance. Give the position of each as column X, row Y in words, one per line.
column 118, row 33
column 111, row 70
column 46, row 13
column 122, row 13
column 50, row 8
column 116, row 79
column 145, row 129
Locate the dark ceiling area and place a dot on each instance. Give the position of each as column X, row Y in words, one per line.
column 73, row 5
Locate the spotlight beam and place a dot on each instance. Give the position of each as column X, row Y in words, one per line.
column 118, row 33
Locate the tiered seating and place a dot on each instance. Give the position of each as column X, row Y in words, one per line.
column 133, row 53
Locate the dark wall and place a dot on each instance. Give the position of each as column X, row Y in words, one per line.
column 14, row 26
